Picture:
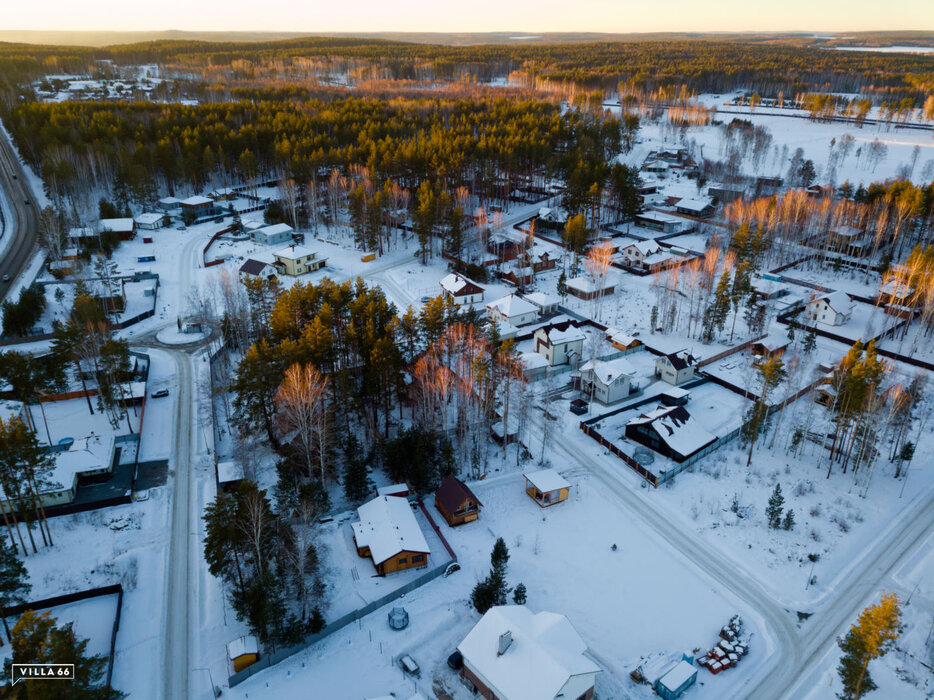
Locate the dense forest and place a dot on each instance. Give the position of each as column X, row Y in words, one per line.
column 701, row 65
column 142, row 146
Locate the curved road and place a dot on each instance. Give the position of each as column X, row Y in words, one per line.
column 24, row 211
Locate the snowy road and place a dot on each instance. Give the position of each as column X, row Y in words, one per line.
column 801, row 646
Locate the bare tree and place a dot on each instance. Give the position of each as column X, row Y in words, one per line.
column 302, row 401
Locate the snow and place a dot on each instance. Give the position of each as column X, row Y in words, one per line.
column 547, row 480
column 387, row 526
column 676, row 428
column 544, row 653
column 607, row 370
column 512, row 305
column 677, row 676
column 240, row 646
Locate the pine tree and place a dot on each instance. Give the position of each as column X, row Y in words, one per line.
column 872, row 636
column 356, row 480
column 810, row 340
column 36, row 639
column 789, row 522
column 773, row 512
column 14, row 580
column 519, row 595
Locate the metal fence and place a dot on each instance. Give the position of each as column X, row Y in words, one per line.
column 338, row 624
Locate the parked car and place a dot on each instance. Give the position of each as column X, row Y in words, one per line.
column 160, row 394
column 456, row 660
column 578, row 407
column 452, row 567
column 409, row 666
column 425, row 300
column 6, row 278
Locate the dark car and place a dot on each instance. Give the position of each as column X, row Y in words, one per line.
column 456, row 660
column 160, row 394
column 578, row 407
column 26, row 202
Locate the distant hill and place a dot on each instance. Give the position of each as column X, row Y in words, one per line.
column 109, row 38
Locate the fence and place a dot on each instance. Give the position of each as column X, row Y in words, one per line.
column 338, row 624
column 629, row 461
column 204, row 252
column 55, row 601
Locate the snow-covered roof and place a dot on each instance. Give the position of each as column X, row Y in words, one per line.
column 676, row 392
column 609, row 371
column 547, row 480
column 121, row 224
column 532, row 360
column 541, row 300
column 294, row 252
column 838, row 301
column 253, row 224
column 241, row 646
column 584, row 283
column 545, row 652
column 557, row 336
column 658, row 216
column 392, row 489
column 83, row 455
column 275, row 229
column 170, row 200
column 615, row 335
column 197, row 200
column 458, row 284
column 511, row 306
column 677, row 676
column 387, row 526
column 149, row 217
column 676, row 428
column 656, row 259
column 645, row 247
column 228, row 471
column 694, row 203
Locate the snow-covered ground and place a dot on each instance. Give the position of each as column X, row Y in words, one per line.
column 565, row 557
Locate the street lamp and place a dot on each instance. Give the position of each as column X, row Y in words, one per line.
column 215, row 691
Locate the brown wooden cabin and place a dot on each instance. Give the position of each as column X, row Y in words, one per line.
column 457, row 502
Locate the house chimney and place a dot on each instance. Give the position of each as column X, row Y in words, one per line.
column 505, row 639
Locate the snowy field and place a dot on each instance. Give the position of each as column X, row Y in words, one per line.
column 564, row 556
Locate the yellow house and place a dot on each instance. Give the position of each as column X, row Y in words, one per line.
column 546, row 487
column 296, row 260
column 243, row 652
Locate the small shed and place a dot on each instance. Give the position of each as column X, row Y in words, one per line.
column 229, row 475
column 546, row 487
column 243, row 652
column 401, row 490
column 457, row 502
column 673, row 684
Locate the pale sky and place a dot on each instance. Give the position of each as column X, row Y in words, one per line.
column 470, row 15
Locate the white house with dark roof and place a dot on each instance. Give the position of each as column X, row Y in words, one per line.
column 676, row 367
column 636, row 252
column 461, row 290
column 834, row 308
column 670, row 431
column 260, row 266
column 607, row 381
column 512, row 309
column 560, row 344
column 515, row 654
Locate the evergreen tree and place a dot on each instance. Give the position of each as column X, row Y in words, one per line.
column 14, row 580
column 789, row 522
column 357, row 482
column 519, row 595
column 37, row 640
column 810, row 340
column 871, row 637
column 773, row 512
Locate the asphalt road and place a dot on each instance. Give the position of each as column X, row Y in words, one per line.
column 25, row 224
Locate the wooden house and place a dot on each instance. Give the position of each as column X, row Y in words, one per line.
column 546, row 487
column 389, row 534
column 457, row 502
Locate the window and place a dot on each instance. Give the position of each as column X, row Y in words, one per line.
column 402, row 560
column 417, row 558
